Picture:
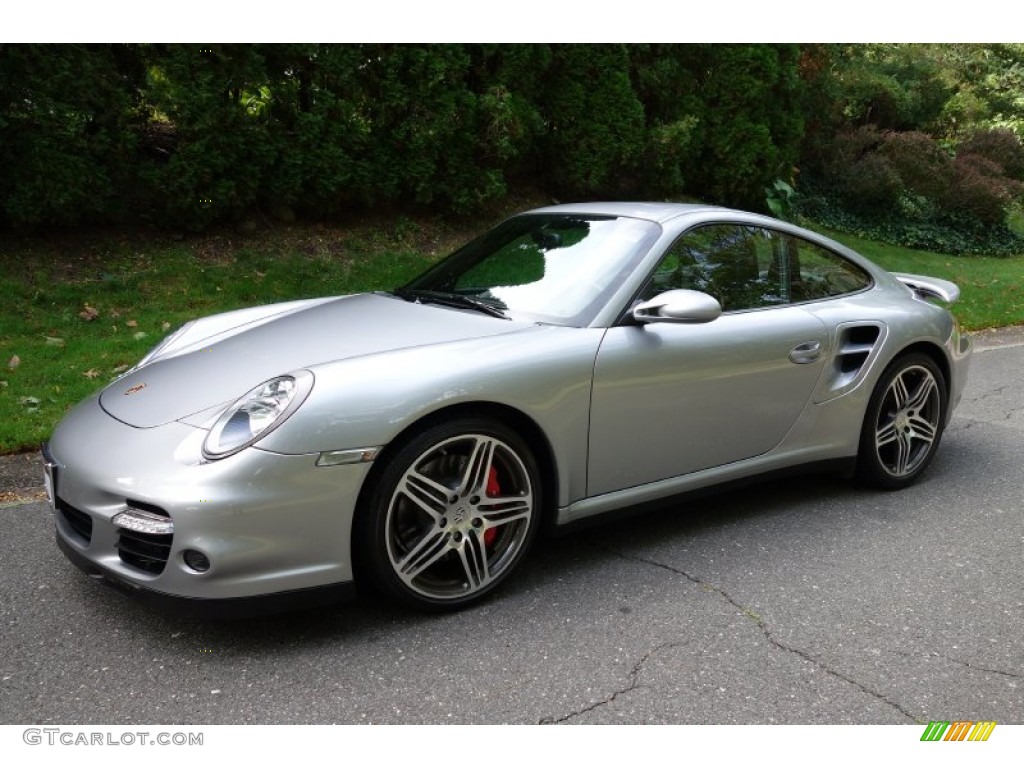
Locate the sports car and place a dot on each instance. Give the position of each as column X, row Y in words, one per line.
column 572, row 361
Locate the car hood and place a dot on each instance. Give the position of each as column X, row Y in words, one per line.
column 216, row 368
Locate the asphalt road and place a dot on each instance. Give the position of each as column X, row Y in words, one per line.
column 808, row 601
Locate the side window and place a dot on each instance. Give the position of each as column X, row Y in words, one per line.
column 748, row 267
column 728, row 261
column 818, row 273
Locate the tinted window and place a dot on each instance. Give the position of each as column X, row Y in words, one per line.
column 817, row 273
column 752, row 267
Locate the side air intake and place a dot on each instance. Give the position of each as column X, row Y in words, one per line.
column 855, row 347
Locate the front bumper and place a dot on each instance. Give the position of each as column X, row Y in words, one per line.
column 268, row 524
column 222, row 608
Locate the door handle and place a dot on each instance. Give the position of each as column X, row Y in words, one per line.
column 805, row 353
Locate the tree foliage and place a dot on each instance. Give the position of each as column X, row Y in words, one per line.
column 189, row 135
column 925, row 140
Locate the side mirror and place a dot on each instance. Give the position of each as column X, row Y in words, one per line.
column 678, row 306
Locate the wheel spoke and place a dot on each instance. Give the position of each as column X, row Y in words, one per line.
column 923, row 430
column 429, row 495
column 903, row 453
column 886, row 434
column 505, row 509
column 922, row 394
column 474, row 562
column 899, row 392
column 429, row 549
column 475, row 477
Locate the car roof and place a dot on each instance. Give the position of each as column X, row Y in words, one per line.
column 659, row 212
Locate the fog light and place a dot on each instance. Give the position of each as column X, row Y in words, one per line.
column 196, row 560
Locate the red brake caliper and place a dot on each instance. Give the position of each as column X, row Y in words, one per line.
column 493, row 490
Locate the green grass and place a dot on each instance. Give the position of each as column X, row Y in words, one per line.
column 991, row 289
column 142, row 287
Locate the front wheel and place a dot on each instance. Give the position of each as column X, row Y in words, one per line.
column 451, row 514
column 903, row 424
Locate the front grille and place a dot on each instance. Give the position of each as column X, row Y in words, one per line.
column 77, row 520
column 146, row 551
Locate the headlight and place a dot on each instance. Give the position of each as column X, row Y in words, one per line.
column 256, row 413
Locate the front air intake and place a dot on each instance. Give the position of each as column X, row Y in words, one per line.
column 78, row 521
column 144, row 537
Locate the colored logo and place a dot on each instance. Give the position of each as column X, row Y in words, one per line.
column 958, row 730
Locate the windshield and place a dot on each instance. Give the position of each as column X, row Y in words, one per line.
column 554, row 268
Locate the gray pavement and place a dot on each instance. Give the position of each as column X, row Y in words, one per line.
column 805, row 601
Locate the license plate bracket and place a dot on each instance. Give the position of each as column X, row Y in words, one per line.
column 50, row 477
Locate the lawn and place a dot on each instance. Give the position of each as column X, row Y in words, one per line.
column 79, row 310
column 991, row 290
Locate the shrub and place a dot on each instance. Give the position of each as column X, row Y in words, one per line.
column 923, row 166
column 751, row 124
column 595, row 121
column 222, row 150
column 67, row 132
column 980, row 190
column 943, row 232
column 192, row 135
column 871, row 184
column 1001, row 146
column 669, row 152
column 896, row 87
column 847, row 148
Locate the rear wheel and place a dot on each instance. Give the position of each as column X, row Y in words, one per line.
column 451, row 515
column 903, row 424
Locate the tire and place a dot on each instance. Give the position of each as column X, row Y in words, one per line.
column 903, row 424
column 450, row 516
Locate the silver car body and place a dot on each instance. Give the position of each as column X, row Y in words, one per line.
column 621, row 413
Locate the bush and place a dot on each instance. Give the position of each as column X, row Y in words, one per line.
column 595, row 121
column 999, row 145
column 896, row 87
column 846, row 149
column 187, row 136
column 751, row 123
column 944, row 232
column 67, row 132
column 980, row 190
column 907, row 174
column 924, row 168
column 668, row 154
column 871, row 184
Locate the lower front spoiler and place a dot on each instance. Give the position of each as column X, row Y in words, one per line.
column 221, row 608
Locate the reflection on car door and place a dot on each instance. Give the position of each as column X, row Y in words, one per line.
column 671, row 399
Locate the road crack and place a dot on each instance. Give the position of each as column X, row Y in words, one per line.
column 969, row 665
column 634, row 683
column 766, row 631
column 997, row 392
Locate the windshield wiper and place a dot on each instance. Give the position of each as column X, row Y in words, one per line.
column 458, row 300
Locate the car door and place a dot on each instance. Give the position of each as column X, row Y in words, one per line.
column 670, row 399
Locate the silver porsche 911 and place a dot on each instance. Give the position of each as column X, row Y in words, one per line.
column 574, row 360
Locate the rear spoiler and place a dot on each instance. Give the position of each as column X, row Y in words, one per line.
column 929, row 287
